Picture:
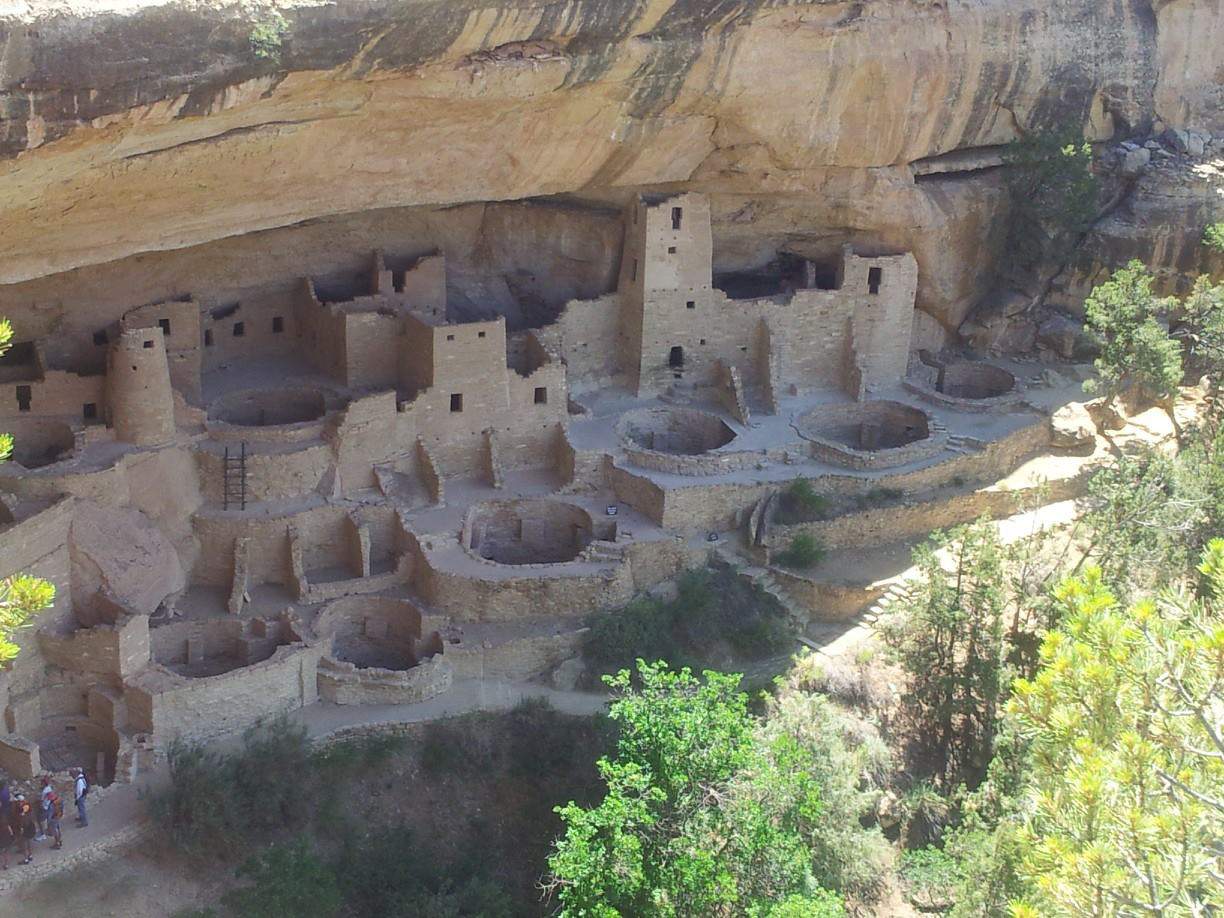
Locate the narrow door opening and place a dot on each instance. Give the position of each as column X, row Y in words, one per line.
column 874, row 276
column 675, row 358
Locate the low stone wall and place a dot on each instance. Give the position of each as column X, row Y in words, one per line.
column 166, row 704
column 346, row 683
column 827, row 601
column 114, row 650
column 269, row 475
column 514, row 660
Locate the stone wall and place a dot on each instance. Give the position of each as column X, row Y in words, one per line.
column 169, row 705
column 345, row 683
column 515, row 660
column 117, row 650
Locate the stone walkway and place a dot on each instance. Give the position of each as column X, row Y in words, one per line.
column 119, row 818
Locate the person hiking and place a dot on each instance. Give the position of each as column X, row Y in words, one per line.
column 7, row 835
column 55, row 813
column 23, row 826
column 43, row 812
column 80, row 787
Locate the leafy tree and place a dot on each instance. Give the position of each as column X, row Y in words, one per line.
column 1136, row 347
column 1053, row 196
column 286, row 879
column 700, row 817
column 21, row 596
column 1127, row 753
column 1213, row 236
column 1200, row 328
column 947, row 634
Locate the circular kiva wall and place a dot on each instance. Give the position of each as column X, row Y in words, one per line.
column 372, row 632
column 975, row 381
column 39, row 441
column 875, row 434
column 527, row 531
column 268, row 407
column 678, row 431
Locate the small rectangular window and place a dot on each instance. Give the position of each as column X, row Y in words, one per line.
column 148, row 344
column 239, row 329
column 164, row 325
column 677, row 213
column 633, row 273
column 24, row 396
column 450, row 337
column 480, row 334
column 541, row 395
column 278, row 325
column 671, row 250
column 89, row 411
column 456, row 402
column 691, row 304
column 874, row 276
column 208, row 337
column 703, row 340
column 100, row 338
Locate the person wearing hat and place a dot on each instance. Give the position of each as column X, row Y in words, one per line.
column 23, row 826
column 80, row 787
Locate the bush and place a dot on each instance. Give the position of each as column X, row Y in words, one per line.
column 931, row 876
column 805, row 551
column 287, row 879
column 801, row 503
column 715, row 613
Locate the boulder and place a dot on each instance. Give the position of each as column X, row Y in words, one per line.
column 1064, row 336
column 1177, row 140
column 567, row 675
column 1072, row 428
column 119, row 559
column 1135, row 161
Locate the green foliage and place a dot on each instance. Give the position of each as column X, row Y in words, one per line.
column 947, row 634
column 1053, row 197
column 701, row 815
column 714, row 614
column 1127, row 752
column 267, row 37
column 931, row 875
column 286, row 879
column 1200, row 329
column 388, row 874
column 801, row 503
column 805, row 551
column 878, row 497
column 21, row 598
column 1136, row 347
column 842, row 765
column 1213, row 236
column 216, row 802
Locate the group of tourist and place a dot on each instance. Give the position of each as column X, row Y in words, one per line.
column 24, row 822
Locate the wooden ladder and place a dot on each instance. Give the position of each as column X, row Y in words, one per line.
column 235, row 478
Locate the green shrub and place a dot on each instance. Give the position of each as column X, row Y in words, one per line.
column 805, row 551
column 931, row 876
column 877, row 497
column 1213, row 236
column 286, row 879
column 268, row 36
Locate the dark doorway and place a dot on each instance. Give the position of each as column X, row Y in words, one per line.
column 874, row 276
column 24, row 396
column 675, row 358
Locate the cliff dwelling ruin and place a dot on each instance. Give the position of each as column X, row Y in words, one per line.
column 362, row 496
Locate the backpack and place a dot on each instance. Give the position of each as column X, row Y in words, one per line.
column 57, row 806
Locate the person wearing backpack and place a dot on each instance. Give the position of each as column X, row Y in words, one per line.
column 55, row 812
column 80, row 789
column 23, row 826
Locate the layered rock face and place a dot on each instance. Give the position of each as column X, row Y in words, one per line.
column 151, row 128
